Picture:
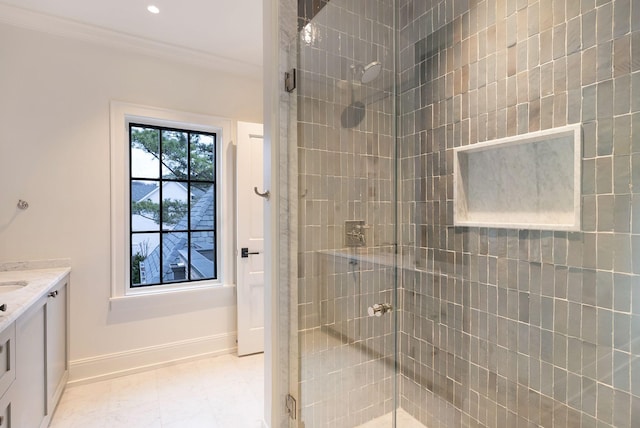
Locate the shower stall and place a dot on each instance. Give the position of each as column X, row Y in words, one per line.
column 409, row 139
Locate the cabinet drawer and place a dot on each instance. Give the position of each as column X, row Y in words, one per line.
column 6, row 408
column 7, row 358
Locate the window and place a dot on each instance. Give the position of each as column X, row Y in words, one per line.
column 173, row 205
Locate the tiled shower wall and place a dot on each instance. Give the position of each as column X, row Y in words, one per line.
column 503, row 327
column 346, row 172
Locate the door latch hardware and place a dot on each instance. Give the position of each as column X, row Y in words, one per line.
column 290, row 80
column 244, row 252
column 290, row 405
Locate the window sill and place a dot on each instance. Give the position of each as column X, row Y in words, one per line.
column 210, row 296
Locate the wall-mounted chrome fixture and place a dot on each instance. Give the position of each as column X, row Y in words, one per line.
column 354, row 235
column 354, row 113
column 379, row 309
column 23, row 205
column 370, row 72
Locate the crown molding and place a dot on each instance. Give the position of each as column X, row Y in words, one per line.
column 49, row 24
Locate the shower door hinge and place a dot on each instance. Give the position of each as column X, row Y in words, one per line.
column 290, row 405
column 290, row 80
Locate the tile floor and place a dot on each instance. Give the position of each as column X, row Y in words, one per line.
column 221, row 392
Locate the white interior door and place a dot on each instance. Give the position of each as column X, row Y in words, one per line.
column 250, row 226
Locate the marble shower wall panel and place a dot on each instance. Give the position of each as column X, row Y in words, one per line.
column 520, row 327
column 345, row 173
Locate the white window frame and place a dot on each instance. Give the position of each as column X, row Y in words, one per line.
column 121, row 114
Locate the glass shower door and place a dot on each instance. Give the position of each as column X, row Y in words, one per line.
column 347, row 275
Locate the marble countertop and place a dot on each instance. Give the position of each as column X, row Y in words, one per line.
column 40, row 278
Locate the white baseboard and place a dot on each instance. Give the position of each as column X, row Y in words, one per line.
column 109, row 366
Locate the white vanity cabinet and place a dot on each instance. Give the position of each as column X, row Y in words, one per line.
column 6, row 410
column 7, row 374
column 57, row 343
column 30, row 398
column 41, row 359
column 7, row 358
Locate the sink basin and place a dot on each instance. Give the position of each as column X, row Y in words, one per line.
column 7, row 286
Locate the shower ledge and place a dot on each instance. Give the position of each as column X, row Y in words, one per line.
column 374, row 255
column 529, row 181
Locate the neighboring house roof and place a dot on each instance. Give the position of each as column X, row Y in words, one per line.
column 152, row 194
column 196, row 192
column 174, row 245
column 139, row 190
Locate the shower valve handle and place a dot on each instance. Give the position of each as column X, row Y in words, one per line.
column 378, row 309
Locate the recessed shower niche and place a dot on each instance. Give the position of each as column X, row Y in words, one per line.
column 529, row 181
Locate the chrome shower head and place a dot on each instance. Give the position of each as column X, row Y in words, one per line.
column 371, row 71
column 366, row 73
column 354, row 113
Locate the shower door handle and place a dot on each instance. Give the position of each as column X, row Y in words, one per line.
column 379, row 309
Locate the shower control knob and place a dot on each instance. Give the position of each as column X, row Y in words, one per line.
column 378, row 309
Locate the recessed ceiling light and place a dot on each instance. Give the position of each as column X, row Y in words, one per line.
column 153, row 9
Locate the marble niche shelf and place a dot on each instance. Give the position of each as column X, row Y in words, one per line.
column 529, row 181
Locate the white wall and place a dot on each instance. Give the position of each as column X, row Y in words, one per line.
column 54, row 153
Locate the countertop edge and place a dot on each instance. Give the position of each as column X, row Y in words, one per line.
column 34, row 265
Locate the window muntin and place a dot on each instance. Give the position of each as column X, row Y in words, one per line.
column 173, row 205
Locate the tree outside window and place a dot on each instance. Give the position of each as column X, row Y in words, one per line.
column 173, row 205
